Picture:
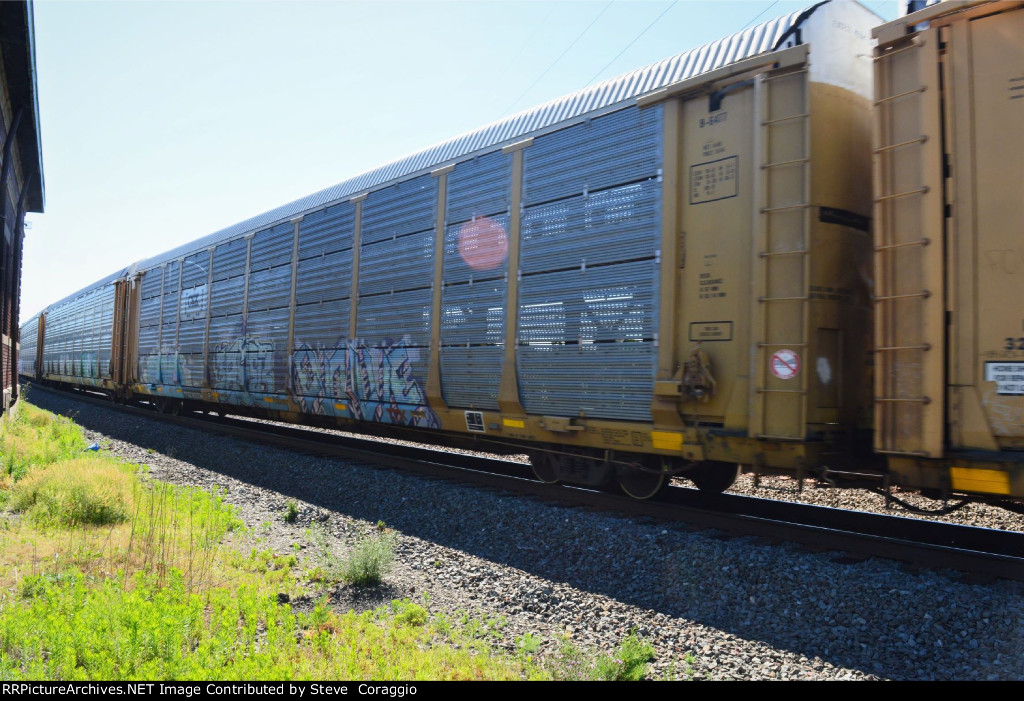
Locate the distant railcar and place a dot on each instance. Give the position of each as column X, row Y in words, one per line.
column 666, row 274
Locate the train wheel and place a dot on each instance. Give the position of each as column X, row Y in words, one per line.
column 713, row 477
column 643, row 482
column 545, row 466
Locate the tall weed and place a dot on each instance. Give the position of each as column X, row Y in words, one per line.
column 370, row 559
column 177, row 528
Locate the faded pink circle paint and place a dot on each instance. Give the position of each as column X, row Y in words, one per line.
column 483, row 243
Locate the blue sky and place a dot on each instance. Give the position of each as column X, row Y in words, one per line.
column 165, row 121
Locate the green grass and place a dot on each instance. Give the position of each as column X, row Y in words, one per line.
column 88, row 490
column 107, row 575
column 71, row 628
column 35, row 438
column 629, row 662
column 528, row 644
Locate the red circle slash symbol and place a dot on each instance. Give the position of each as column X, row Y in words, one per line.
column 784, row 364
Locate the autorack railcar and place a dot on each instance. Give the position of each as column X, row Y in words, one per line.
column 949, row 342
column 667, row 273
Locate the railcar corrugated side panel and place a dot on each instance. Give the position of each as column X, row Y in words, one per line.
column 78, row 341
column 29, row 346
column 473, row 276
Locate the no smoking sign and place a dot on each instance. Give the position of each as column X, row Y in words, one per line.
column 784, row 364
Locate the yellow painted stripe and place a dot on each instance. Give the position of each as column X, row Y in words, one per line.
column 340, row 407
column 667, row 441
column 268, row 399
column 514, row 423
column 969, row 479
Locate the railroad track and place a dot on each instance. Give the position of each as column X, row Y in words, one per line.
column 853, row 535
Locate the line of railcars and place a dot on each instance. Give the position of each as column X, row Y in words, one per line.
column 670, row 273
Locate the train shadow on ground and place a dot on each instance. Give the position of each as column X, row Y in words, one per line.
column 757, row 591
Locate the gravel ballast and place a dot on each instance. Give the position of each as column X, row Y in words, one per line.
column 714, row 607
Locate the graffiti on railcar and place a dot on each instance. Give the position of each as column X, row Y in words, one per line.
column 193, row 303
column 168, row 367
column 85, row 364
column 388, row 389
column 149, row 368
column 245, row 364
column 319, row 374
column 378, row 383
column 190, row 369
column 308, row 375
